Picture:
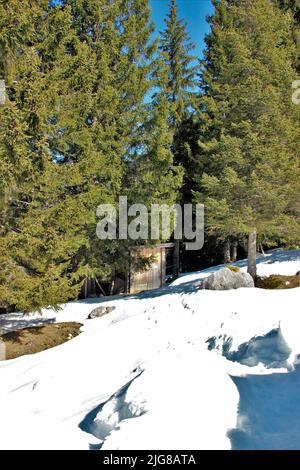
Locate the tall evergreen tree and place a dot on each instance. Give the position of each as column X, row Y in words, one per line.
column 118, row 114
column 293, row 6
column 77, row 75
column 33, row 267
column 176, row 48
column 178, row 81
column 249, row 140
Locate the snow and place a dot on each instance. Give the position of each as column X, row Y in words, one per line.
column 176, row 368
column 277, row 261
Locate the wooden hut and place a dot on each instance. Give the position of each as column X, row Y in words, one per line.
column 164, row 266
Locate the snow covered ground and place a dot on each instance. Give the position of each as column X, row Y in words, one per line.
column 274, row 262
column 176, row 368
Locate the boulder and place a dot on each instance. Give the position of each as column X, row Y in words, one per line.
column 298, row 273
column 226, row 279
column 100, row 311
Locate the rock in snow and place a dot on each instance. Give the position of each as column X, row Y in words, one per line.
column 225, row 279
column 99, row 312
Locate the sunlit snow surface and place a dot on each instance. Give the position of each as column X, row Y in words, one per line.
column 176, row 368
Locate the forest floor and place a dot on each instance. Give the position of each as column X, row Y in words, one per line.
column 38, row 338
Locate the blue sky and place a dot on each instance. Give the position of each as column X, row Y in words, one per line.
column 193, row 11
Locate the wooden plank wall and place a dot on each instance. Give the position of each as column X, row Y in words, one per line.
column 155, row 276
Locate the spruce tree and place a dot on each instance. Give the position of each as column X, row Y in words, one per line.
column 249, row 137
column 293, row 6
column 33, row 268
column 121, row 42
column 178, row 81
column 77, row 76
column 176, row 49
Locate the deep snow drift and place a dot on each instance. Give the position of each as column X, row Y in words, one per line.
column 176, row 368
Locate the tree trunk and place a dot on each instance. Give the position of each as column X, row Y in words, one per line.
column 233, row 250
column 176, row 259
column 244, row 244
column 100, row 287
column 262, row 249
column 112, row 286
column 226, row 251
column 252, row 254
column 86, row 288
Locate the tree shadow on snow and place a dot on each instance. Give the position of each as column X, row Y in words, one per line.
column 101, row 428
column 8, row 324
column 269, row 412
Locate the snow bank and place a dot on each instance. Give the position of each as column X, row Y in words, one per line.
column 169, row 404
column 157, row 373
